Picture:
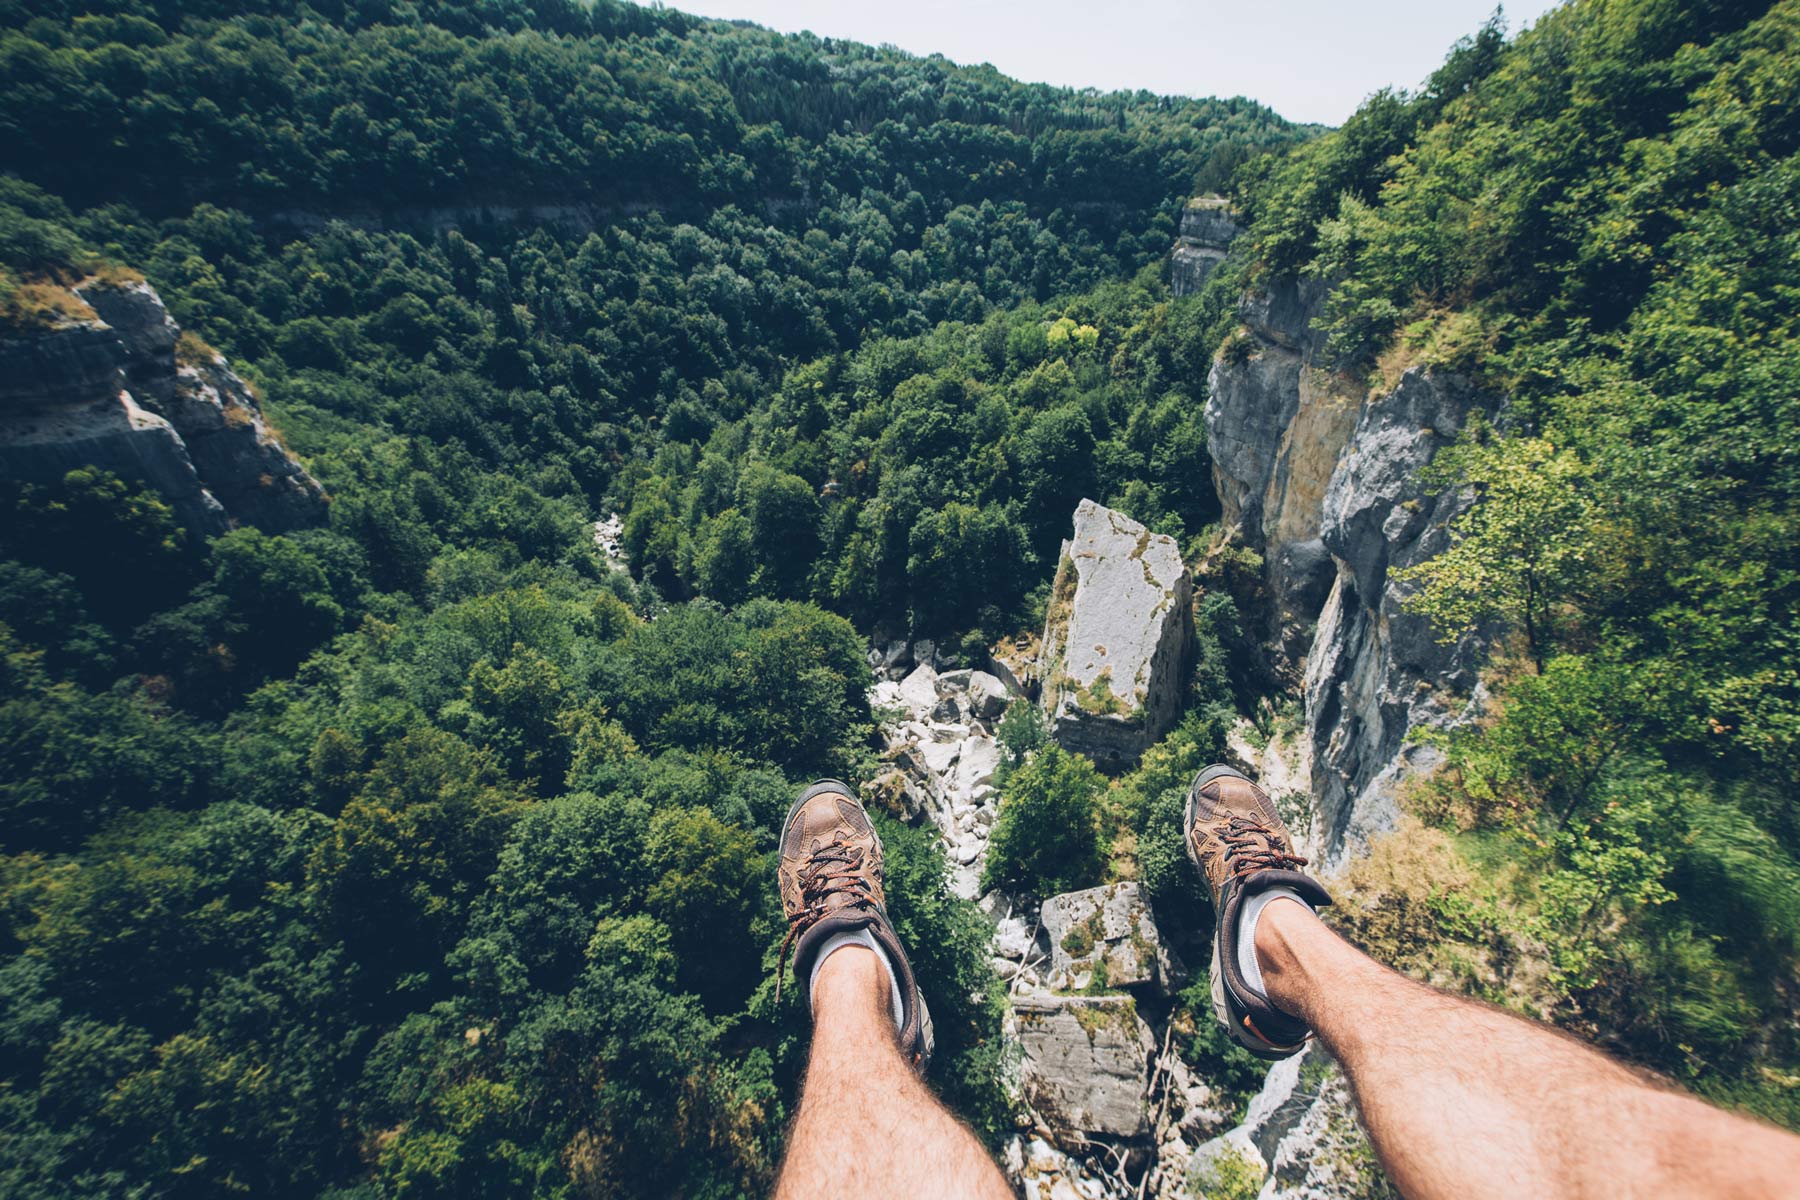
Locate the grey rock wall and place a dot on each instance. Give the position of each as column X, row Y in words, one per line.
column 1319, row 474
column 1208, row 227
column 1377, row 671
column 1278, row 415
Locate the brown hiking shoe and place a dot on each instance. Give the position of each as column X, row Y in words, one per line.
column 1242, row 847
column 831, row 883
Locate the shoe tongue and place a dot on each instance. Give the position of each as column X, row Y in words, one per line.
column 818, row 824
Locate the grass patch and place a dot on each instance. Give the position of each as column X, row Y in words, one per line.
column 29, row 306
column 1099, row 698
column 192, row 350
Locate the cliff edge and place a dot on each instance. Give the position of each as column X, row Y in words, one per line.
column 123, row 390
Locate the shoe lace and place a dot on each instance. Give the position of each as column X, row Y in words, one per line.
column 1251, row 846
column 820, row 882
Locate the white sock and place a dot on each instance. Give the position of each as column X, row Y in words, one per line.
column 1248, row 967
column 859, row 937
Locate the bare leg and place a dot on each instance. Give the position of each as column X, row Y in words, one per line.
column 868, row 1127
column 1463, row 1100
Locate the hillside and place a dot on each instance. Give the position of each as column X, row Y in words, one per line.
column 366, row 829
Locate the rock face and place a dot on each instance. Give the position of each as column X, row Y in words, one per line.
column 110, row 393
column 63, row 405
column 1278, row 415
column 1320, row 477
column 1117, row 636
column 1301, row 1132
column 1103, row 935
column 1087, row 1062
column 1376, row 671
column 1208, row 227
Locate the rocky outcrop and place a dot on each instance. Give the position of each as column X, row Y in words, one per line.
column 1117, row 635
column 1087, row 1063
column 1278, row 415
column 1208, row 227
column 1104, row 937
column 109, row 392
column 63, row 405
column 1301, row 1134
column 1318, row 474
column 1108, row 1110
column 1377, row 671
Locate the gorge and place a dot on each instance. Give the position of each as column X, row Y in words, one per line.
column 466, row 466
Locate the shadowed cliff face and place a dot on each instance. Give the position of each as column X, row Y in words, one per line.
column 110, row 393
column 1320, row 476
column 1278, row 415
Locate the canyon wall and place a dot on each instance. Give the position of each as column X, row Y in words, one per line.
column 1317, row 471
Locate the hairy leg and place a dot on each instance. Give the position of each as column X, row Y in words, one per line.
column 868, row 1127
column 1464, row 1100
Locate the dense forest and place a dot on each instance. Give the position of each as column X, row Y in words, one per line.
column 423, row 853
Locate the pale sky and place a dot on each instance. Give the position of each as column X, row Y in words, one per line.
column 1309, row 60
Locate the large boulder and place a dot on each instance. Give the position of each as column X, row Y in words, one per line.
column 1103, row 936
column 1086, row 1064
column 918, row 692
column 1117, row 637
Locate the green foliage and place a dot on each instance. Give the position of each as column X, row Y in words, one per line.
column 411, row 848
column 435, row 852
column 1162, row 861
column 486, row 905
column 95, row 529
column 1021, row 730
column 1519, row 551
column 1548, row 751
column 1047, row 838
column 1594, row 220
column 1228, row 1174
column 73, row 758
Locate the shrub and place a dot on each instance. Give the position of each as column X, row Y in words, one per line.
column 1021, row 730
column 1228, row 1174
column 1047, row 839
column 1162, row 862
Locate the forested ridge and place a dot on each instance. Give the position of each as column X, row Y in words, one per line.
column 422, row 853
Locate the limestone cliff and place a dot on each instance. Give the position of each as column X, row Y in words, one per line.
column 1377, row 671
column 1278, row 414
column 1319, row 474
column 110, row 392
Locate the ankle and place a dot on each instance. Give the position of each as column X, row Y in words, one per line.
column 1280, row 926
column 851, row 979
